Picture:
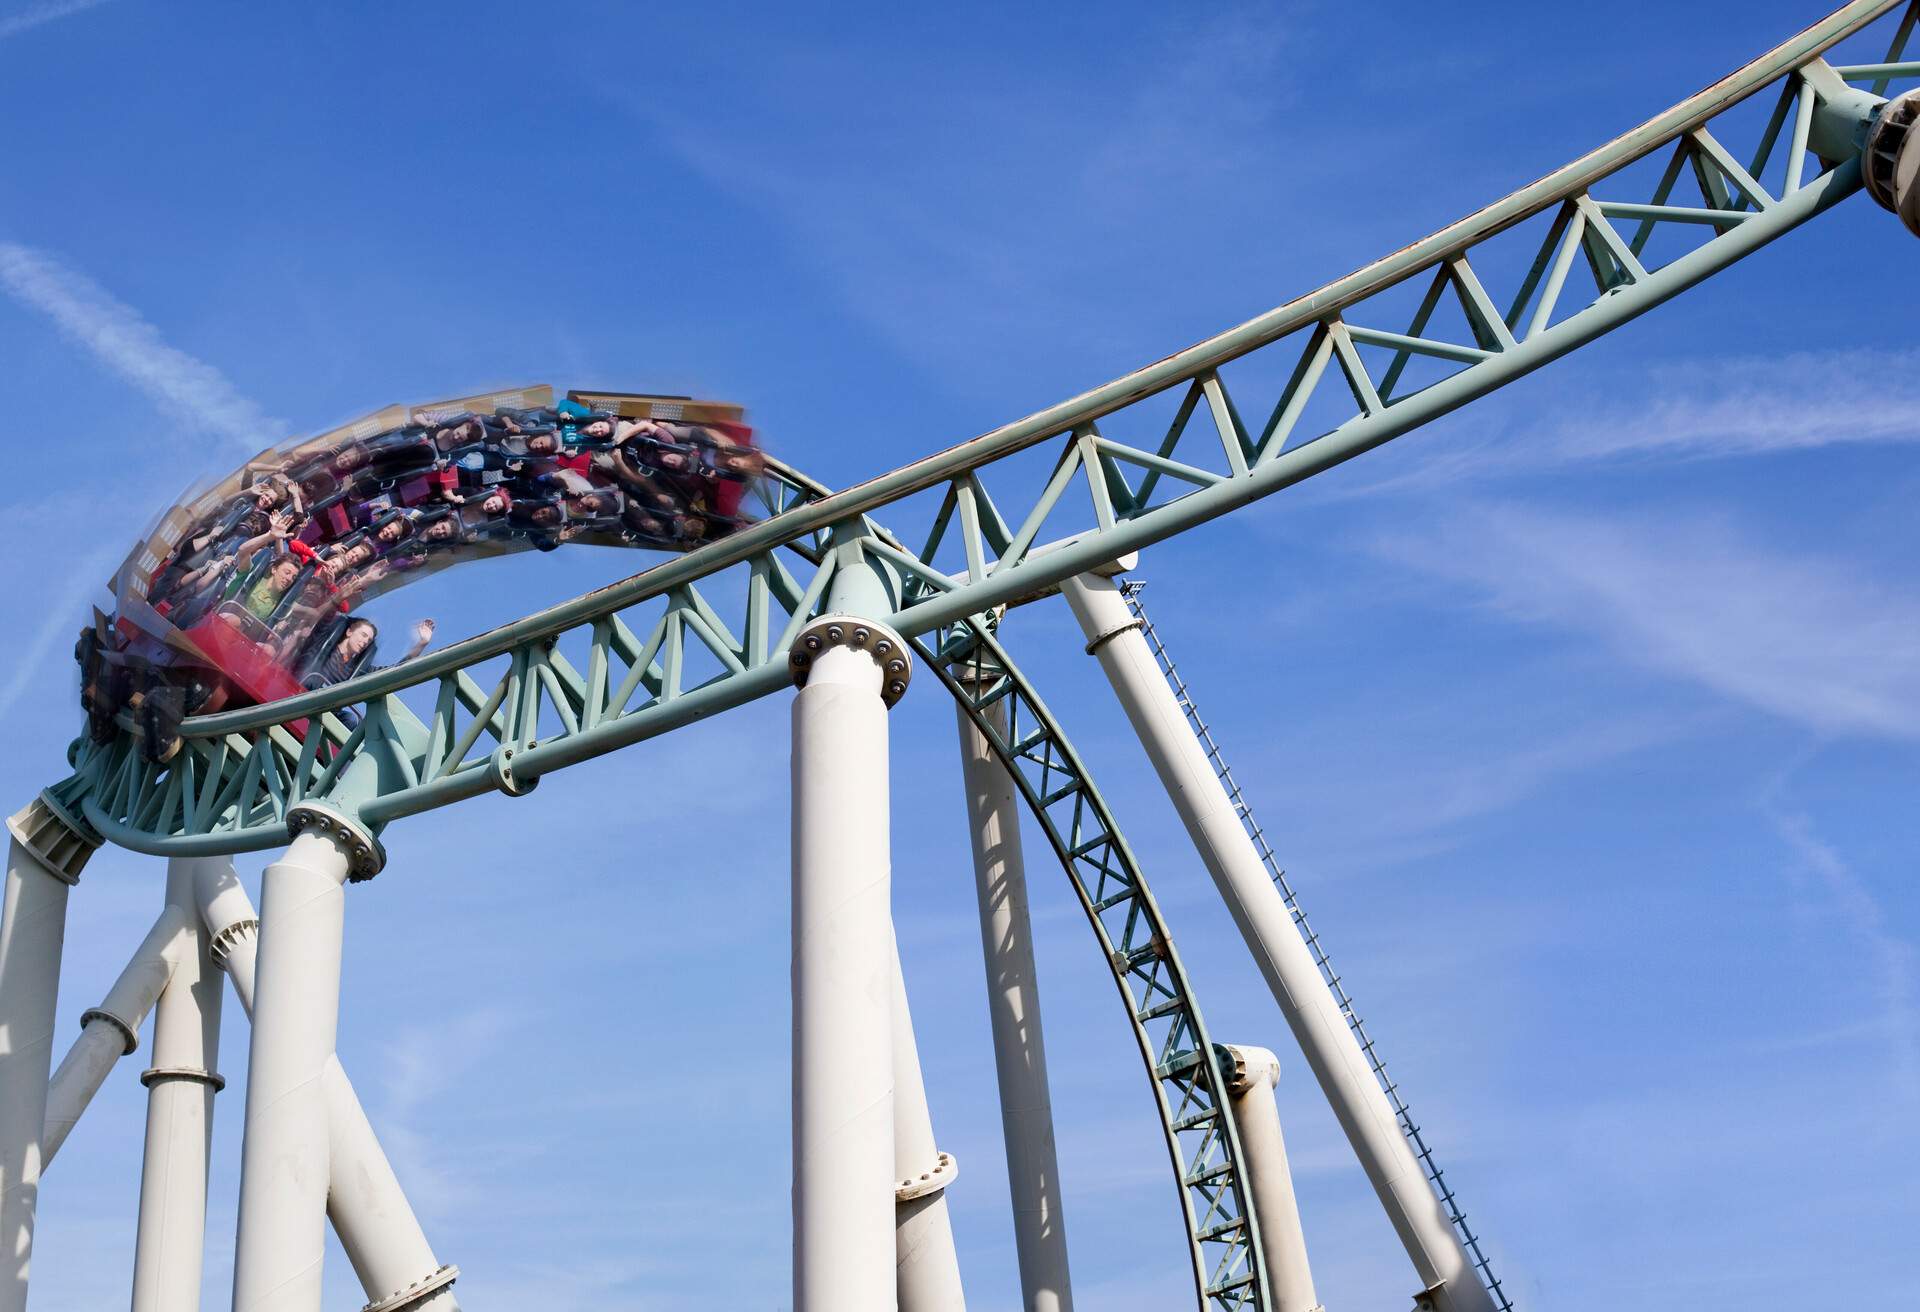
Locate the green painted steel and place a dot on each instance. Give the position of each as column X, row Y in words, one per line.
column 710, row 630
column 657, row 651
column 1229, row 1264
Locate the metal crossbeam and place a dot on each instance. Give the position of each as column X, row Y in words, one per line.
column 1375, row 1062
column 1229, row 1267
column 1139, row 489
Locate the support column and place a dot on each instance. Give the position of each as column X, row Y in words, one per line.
column 111, row 1030
column 171, row 1243
column 1252, row 1074
column 1013, row 1003
column 369, row 1211
column 927, row 1268
column 1439, row 1259
column 284, row 1157
column 850, row 672
column 44, row 860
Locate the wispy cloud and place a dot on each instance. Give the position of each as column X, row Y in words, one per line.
column 1696, row 410
column 973, row 211
column 423, row 1064
column 1426, row 794
column 58, row 627
column 1890, row 960
column 1810, row 640
column 41, row 14
column 190, row 390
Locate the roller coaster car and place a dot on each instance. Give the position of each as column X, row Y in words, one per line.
column 241, row 647
column 365, row 506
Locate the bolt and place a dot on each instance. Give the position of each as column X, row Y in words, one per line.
column 896, row 687
column 813, row 642
column 896, row 666
column 836, row 634
column 883, row 646
column 860, row 637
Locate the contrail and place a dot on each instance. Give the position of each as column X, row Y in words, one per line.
column 60, row 625
column 46, row 13
column 192, row 391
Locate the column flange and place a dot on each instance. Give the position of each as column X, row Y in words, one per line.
column 945, row 1171
column 153, row 1076
column 413, row 1293
column 887, row 648
column 366, row 857
column 60, row 842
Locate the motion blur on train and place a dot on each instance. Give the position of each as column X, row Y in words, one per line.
column 249, row 590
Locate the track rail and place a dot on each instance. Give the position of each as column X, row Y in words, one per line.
column 1229, row 1266
column 1139, row 460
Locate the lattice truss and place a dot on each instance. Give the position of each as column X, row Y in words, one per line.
column 1278, row 400
column 1188, row 1083
column 1324, row 378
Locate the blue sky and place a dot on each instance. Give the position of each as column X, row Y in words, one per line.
column 1585, row 719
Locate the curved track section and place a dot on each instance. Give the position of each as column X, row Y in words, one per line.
column 1137, row 461
column 1229, row 1267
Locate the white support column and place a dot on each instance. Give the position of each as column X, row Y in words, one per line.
column 170, row 1246
column 43, row 861
column 111, row 1030
column 369, row 1211
column 284, row 1162
column 1251, row 1078
column 843, row 1145
column 927, row 1268
column 1439, row 1259
column 1013, row 1003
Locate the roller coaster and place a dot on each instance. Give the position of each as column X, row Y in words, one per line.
column 846, row 595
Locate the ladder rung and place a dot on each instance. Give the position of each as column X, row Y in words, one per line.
column 1212, row 1173
column 1198, row 1118
column 1177, row 1064
column 1213, row 1232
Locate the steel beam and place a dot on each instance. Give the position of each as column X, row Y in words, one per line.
column 32, row 931
column 1013, row 1005
column 1252, row 1074
column 1439, row 1259
column 284, row 1164
column 369, row 1210
column 926, row 1267
column 111, row 1030
column 44, row 857
column 842, row 987
column 169, row 1249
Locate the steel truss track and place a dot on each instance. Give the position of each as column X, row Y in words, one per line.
column 1229, row 1267
column 1133, row 463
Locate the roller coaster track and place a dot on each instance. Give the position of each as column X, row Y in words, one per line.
column 1148, row 456
column 1376, row 1063
column 1228, row 1266
column 1141, row 459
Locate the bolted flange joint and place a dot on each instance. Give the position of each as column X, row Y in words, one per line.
column 1246, row 1068
column 1890, row 163
column 129, row 1036
column 190, row 1074
column 60, row 841
column 887, row 648
column 944, row 1172
column 401, row 1299
column 500, row 764
column 365, row 855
